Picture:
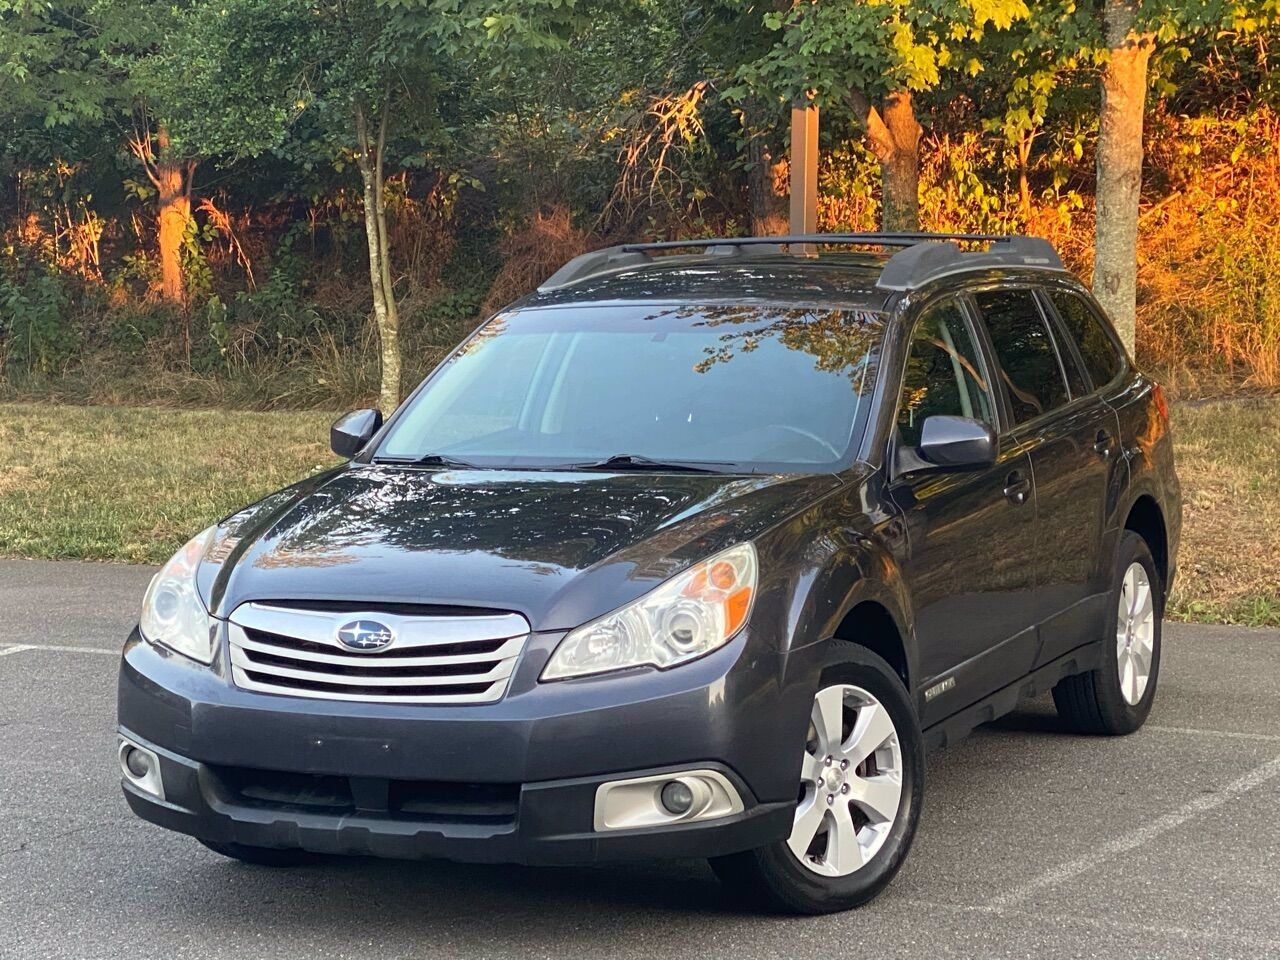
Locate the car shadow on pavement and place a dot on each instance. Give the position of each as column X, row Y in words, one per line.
column 334, row 892
column 1032, row 716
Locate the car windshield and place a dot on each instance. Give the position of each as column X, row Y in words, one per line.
column 731, row 388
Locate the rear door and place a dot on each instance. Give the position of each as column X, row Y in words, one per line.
column 971, row 563
column 1071, row 436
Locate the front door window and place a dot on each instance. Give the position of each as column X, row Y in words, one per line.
column 943, row 375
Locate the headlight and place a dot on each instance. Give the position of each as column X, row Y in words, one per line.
column 686, row 617
column 172, row 612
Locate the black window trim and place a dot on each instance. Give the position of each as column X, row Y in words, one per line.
column 990, row 362
column 1010, row 426
column 1059, row 333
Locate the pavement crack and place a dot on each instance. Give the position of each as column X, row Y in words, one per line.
column 27, row 845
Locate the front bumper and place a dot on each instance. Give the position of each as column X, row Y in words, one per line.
column 546, row 828
column 546, row 747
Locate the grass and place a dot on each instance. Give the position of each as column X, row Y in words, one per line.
column 1229, row 462
column 130, row 483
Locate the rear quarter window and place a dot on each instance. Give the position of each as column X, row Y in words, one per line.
column 1098, row 351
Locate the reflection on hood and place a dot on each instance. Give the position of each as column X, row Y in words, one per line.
column 549, row 545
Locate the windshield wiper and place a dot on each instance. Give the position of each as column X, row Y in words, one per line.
column 631, row 461
column 429, row 460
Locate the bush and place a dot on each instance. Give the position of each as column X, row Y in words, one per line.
column 37, row 332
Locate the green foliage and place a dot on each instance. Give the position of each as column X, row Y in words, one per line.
column 833, row 51
column 49, row 68
column 36, row 332
column 195, row 267
column 134, row 327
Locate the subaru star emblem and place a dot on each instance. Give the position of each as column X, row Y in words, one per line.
column 365, row 635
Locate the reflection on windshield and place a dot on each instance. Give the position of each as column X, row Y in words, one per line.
column 748, row 386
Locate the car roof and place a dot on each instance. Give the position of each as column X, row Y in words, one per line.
column 789, row 269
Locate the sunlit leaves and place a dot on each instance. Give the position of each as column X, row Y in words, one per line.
column 833, row 48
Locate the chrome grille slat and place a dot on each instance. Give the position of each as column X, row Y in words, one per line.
column 317, row 626
column 293, row 652
column 491, row 695
column 498, row 671
column 509, row 648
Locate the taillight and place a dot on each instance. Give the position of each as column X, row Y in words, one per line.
column 1162, row 405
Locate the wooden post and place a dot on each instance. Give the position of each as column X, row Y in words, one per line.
column 804, row 174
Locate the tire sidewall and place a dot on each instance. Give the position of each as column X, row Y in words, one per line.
column 802, row 889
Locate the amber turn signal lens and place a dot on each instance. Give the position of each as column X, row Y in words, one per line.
column 736, row 608
column 1162, row 403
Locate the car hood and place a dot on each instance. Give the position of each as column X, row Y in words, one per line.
column 558, row 547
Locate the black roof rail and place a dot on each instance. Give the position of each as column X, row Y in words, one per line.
column 915, row 266
column 925, row 256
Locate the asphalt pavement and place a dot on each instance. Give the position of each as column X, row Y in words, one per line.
column 1033, row 843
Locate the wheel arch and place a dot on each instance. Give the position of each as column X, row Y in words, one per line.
column 871, row 625
column 1146, row 519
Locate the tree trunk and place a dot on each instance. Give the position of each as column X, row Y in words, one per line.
column 173, row 213
column 387, row 318
column 766, row 208
column 1124, row 94
column 894, row 137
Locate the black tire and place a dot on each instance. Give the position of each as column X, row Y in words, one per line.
column 261, row 856
column 1093, row 702
column 772, row 877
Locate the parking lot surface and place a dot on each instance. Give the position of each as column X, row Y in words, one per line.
column 1033, row 842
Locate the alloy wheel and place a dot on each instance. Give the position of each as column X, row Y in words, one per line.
column 851, row 782
column 1135, row 633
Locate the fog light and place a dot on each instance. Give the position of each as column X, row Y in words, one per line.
column 140, row 767
column 677, row 798
column 665, row 799
column 136, row 762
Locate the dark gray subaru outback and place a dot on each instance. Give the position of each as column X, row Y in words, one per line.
column 685, row 554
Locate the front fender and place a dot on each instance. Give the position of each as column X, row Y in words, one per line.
column 827, row 560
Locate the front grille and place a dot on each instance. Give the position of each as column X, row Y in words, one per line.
column 433, row 659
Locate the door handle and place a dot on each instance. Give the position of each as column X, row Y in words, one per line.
column 1104, row 445
column 1017, row 487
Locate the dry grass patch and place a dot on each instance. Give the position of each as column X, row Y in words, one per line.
column 1229, row 462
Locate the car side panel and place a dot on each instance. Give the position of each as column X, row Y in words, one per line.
column 842, row 550
column 1075, row 458
column 971, row 576
column 1147, row 449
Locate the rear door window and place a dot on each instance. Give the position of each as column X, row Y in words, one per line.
column 1097, row 349
column 1025, row 352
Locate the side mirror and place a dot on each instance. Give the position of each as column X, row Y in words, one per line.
column 352, row 431
column 957, row 443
